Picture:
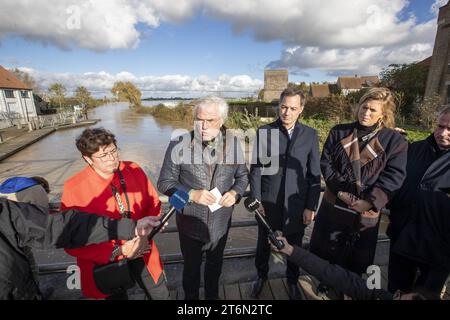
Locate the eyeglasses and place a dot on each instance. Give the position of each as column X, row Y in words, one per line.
column 105, row 156
column 209, row 122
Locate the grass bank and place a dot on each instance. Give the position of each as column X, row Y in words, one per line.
column 245, row 120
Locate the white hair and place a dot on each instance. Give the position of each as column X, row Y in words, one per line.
column 444, row 112
column 213, row 101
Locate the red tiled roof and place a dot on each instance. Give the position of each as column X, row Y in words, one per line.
column 9, row 81
column 357, row 82
column 320, row 90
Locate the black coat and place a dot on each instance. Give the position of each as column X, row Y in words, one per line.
column 382, row 162
column 25, row 225
column 426, row 236
column 420, row 214
column 290, row 182
column 428, row 168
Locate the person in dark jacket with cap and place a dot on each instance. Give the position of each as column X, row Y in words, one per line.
column 419, row 215
column 24, row 225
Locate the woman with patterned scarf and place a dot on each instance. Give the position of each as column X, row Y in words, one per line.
column 363, row 164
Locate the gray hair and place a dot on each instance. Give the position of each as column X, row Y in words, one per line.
column 209, row 101
column 444, row 112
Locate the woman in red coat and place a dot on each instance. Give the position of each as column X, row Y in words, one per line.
column 98, row 189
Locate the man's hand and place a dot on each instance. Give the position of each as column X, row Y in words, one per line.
column 203, row 197
column 287, row 249
column 228, row 199
column 145, row 225
column 308, row 216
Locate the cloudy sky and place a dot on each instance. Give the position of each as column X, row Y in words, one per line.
column 197, row 47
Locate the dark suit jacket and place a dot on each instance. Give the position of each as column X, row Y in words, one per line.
column 291, row 180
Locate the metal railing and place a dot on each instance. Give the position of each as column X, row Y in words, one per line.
column 229, row 253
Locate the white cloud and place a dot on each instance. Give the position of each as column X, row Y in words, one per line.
column 436, row 5
column 321, row 23
column 347, row 35
column 339, row 36
column 96, row 25
column 417, row 46
column 101, row 83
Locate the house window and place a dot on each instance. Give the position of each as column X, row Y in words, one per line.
column 9, row 94
column 24, row 94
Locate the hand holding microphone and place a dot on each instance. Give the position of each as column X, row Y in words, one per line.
column 178, row 201
column 252, row 205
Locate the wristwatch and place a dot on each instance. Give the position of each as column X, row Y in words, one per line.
column 115, row 253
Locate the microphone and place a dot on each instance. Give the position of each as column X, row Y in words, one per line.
column 178, row 201
column 252, row 205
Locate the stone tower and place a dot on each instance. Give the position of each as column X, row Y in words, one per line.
column 275, row 81
column 439, row 75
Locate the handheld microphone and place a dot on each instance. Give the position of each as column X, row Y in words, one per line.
column 252, row 205
column 178, row 201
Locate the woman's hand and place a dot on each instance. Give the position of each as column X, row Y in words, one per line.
column 360, row 205
column 135, row 248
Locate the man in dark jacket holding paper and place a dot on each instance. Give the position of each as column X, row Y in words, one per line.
column 209, row 165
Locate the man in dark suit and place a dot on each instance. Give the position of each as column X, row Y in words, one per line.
column 419, row 220
column 285, row 177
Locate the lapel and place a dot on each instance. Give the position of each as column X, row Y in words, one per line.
column 439, row 168
column 298, row 130
column 372, row 150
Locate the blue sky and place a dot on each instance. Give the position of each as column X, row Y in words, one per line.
column 205, row 40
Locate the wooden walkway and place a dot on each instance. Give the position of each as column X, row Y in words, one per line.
column 274, row 289
column 20, row 142
column 16, row 144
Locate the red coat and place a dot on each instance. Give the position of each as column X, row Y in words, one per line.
column 88, row 191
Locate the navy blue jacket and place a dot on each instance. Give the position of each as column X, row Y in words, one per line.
column 427, row 169
column 291, row 179
column 420, row 213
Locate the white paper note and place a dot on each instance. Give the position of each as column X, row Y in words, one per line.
column 216, row 205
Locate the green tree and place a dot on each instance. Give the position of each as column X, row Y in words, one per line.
column 300, row 86
column 410, row 80
column 57, row 93
column 127, row 91
column 83, row 96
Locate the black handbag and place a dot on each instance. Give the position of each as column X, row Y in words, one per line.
column 116, row 277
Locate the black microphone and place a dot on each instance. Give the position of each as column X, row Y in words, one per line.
column 178, row 201
column 252, row 205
